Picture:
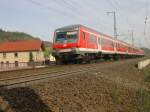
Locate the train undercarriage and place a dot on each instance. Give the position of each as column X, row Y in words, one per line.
column 72, row 57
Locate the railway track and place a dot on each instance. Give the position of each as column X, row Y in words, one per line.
column 24, row 73
column 30, row 79
column 33, row 78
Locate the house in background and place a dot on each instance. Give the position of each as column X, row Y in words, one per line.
column 21, row 53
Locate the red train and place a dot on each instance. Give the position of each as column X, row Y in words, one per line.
column 77, row 43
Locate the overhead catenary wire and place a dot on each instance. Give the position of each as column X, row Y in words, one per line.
column 93, row 9
column 51, row 9
column 72, row 6
column 145, row 21
column 71, row 9
column 111, row 3
column 114, row 4
column 89, row 9
column 46, row 7
column 74, row 12
column 146, row 16
column 60, row 12
column 117, row 4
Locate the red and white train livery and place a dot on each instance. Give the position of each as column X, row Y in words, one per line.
column 80, row 43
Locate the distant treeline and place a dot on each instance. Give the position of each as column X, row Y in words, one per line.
column 14, row 36
column 147, row 51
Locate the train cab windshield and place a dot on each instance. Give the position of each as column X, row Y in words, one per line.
column 66, row 37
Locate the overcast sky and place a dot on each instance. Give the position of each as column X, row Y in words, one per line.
column 41, row 17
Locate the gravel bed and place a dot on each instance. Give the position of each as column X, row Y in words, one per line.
column 18, row 73
column 90, row 92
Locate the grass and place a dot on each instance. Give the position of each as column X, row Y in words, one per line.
column 143, row 95
column 115, row 95
column 143, row 100
column 147, row 75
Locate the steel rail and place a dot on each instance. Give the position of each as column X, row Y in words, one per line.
column 24, row 80
column 73, row 67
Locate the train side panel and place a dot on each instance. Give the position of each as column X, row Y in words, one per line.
column 121, row 48
column 89, row 45
column 90, row 38
column 107, row 45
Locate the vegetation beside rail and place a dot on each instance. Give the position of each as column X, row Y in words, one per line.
column 116, row 87
column 14, row 36
column 147, row 75
column 143, row 97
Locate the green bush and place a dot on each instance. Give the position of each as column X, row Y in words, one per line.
column 143, row 100
column 147, row 75
column 115, row 95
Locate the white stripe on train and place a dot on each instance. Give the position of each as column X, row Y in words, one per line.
column 96, row 50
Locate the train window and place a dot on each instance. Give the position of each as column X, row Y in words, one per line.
column 108, row 43
column 71, row 37
column 92, row 39
column 103, row 42
column 60, row 37
column 115, row 44
column 112, row 44
column 66, row 37
column 83, row 35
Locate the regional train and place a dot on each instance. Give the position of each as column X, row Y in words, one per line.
column 78, row 43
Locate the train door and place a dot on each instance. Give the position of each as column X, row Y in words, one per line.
column 99, row 43
column 115, row 46
column 92, row 42
column 84, row 39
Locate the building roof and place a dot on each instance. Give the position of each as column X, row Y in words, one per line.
column 21, row 46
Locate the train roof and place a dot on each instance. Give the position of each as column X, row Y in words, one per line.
column 77, row 26
column 69, row 27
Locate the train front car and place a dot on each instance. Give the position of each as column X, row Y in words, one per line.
column 77, row 43
column 65, row 42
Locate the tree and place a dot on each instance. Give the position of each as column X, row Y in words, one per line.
column 47, row 52
column 1, row 30
column 31, row 56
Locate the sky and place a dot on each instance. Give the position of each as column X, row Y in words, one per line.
column 41, row 17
